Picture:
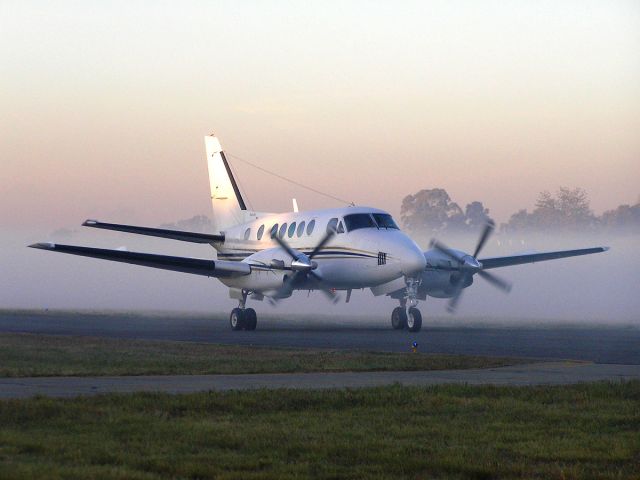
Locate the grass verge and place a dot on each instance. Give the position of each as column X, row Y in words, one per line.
column 24, row 355
column 581, row 431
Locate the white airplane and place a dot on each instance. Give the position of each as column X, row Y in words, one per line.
column 272, row 254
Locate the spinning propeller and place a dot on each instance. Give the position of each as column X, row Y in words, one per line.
column 303, row 267
column 468, row 265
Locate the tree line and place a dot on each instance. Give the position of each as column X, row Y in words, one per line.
column 432, row 211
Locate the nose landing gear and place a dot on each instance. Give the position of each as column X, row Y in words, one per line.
column 242, row 318
column 414, row 320
column 398, row 318
column 402, row 317
column 410, row 318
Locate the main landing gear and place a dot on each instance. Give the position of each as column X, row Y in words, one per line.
column 242, row 318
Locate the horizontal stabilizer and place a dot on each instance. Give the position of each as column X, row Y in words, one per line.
column 197, row 266
column 193, row 237
column 496, row 262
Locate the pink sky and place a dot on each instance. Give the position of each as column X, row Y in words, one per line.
column 105, row 105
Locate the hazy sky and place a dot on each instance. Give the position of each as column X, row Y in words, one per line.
column 104, row 105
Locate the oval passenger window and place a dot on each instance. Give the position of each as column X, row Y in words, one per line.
column 301, row 228
column 312, row 224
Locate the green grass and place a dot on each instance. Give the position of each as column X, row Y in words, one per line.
column 50, row 355
column 576, row 432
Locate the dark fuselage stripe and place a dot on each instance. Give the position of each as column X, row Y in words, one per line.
column 327, row 253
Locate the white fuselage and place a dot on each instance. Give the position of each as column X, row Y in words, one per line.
column 357, row 256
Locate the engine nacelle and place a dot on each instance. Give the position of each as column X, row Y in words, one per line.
column 440, row 284
column 264, row 280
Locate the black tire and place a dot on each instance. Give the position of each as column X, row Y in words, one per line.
column 398, row 318
column 414, row 320
column 250, row 319
column 236, row 319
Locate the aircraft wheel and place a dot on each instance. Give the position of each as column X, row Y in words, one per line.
column 414, row 320
column 398, row 318
column 236, row 319
column 250, row 319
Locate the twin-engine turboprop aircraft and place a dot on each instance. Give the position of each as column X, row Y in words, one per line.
column 272, row 254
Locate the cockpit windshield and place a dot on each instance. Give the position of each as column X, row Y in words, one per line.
column 356, row 221
column 384, row 220
column 359, row 220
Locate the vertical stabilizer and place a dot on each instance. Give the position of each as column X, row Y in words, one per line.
column 229, row 208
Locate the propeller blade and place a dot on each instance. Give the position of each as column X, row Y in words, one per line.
column 323, row 242
column 330, row 294
column 285, row 288
column 457, row 294
column 486, row 233
column 292, row 253
column 495, row 281
column 288, row 284
column 444, row 249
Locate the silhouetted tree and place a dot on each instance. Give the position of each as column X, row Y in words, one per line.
column 568, row 209
column 476, row 215
column 429, row 210
column 624, row 218
column 432, row 211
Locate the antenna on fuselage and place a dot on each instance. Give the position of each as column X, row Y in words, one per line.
column 295, row 205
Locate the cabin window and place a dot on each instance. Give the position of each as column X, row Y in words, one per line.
column 340, row 227
column 274, row 231
column 310, row 227
column 384, row 220
column 356, row 221
column 332, row 226
column 260, row 232
column 247, row 232
column 283, row 230
column 300, row 229
column 292, row 229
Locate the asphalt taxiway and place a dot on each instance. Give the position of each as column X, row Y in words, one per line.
column 615, row 344
column 587, row 353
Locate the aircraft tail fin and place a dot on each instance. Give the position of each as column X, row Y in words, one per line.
column 229, row 208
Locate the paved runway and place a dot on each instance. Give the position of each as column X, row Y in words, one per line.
column 600, row 344
column 560, row 373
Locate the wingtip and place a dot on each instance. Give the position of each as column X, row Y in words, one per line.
column 606, row 249
column 89, row 222
column 43, row 245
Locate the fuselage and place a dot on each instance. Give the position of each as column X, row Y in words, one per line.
column 368, row 248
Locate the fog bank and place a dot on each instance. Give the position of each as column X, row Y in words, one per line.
column 601, row 287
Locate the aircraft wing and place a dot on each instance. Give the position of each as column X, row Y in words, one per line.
column 197, row 266
column 157, row 232
column 497, row 262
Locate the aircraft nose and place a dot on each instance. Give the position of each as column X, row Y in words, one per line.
column 413, row 260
